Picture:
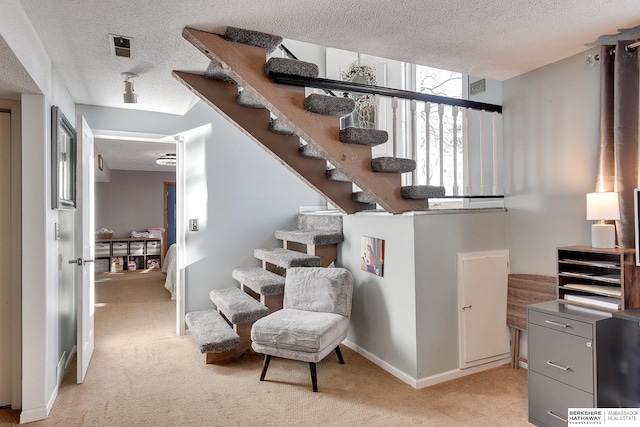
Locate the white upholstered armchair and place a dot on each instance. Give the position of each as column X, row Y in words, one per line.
column 314, row 319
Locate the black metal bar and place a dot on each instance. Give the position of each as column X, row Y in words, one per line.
column 498, row 196
column 265, row 366
column 288, row 52
column 328, row 84
column 314, row 377
column 292, row 56
column 339, row 353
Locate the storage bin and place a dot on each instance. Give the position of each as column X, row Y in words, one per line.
column 153, row 247
column 102, row 249
column 136, row 248
column 119, row 248
column 102, row 265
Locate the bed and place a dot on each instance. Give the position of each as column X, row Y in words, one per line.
column 169, row 268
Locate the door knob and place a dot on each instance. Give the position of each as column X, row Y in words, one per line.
column 80, row 261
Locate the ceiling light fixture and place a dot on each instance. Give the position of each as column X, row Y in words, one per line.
column 129, row 96
column 168, row 159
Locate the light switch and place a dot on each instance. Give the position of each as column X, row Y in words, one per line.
column 193, row 225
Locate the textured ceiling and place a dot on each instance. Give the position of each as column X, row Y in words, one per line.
column 14, row 79
column 496, row 39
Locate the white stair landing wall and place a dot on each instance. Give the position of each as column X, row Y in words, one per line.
column 407, row 320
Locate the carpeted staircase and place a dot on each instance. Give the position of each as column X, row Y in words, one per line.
column 223, row 333
column 302, row 132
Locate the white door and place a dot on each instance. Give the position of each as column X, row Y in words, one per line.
column 5, row 260
column 482, row 298
column 85, row 246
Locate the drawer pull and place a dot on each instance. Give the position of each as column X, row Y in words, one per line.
column 562, row 325
column 555, row 365
column 550, row 412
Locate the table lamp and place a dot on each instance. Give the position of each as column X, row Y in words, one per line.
column 603, row 207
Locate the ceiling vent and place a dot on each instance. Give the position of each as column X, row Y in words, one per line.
column 120, row 45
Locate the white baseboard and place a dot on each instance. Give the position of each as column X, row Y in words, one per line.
column 427, row 381
column 37, row 414
column 459, row 373
column 381, row 363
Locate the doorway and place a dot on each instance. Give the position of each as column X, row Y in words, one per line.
column 5, row 259
column 170, row 214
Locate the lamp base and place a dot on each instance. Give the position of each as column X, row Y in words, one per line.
column 603, row 236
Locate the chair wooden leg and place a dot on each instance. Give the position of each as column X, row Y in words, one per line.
column 314, row 378
column 339, row 353
column 265, row 366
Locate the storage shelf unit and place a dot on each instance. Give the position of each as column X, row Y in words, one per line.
column 606, row 279
column 116, row 254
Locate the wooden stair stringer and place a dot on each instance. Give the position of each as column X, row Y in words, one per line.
column 245, row 65
column 254, row 123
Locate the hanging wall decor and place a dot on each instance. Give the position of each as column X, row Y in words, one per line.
column 63, row 161
column 364, row 114
column 372, row 255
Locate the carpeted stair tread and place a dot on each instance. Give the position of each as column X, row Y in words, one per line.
column 211, row 332
column 214, row 72
column 254, row 38
column 259, row 280
column 286, row 259
column 320, row 220
column 245, row 99
column 335, row 175
column 277, row 126
column 237, row 305
column 392, row 165
column 308, row 152
column 311, row 237
column 291, row 67
column 421, row 191
column 369, row 137
column 362, row 197
column 329, row 105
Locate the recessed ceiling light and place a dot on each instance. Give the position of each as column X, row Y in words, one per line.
column 168, row 159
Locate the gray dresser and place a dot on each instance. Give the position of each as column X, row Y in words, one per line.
column 564, row 362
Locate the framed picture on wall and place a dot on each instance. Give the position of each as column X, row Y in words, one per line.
column 63, row 161
column 372, row 255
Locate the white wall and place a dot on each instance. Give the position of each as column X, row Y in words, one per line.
column 551, row 125
column 383, row 314
column 438, row 241
column 41, row 335
column 237, row 191
column 131, row 201
column 407, row 320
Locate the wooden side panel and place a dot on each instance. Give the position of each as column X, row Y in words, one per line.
column 245, row 65
column 254, row 123
column 525, row 289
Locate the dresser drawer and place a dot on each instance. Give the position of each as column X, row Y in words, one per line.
column 561, row 356
column 560, row 323
column 550, row 399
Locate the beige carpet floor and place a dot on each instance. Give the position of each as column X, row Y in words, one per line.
column 142, row 374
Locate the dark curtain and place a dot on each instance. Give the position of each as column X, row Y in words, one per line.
column 619, row 99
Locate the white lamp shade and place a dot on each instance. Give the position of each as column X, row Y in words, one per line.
column 603, row 206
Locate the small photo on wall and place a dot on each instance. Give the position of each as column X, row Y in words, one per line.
column 372, row 253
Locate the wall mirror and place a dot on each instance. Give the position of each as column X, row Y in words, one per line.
column 63, row 161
